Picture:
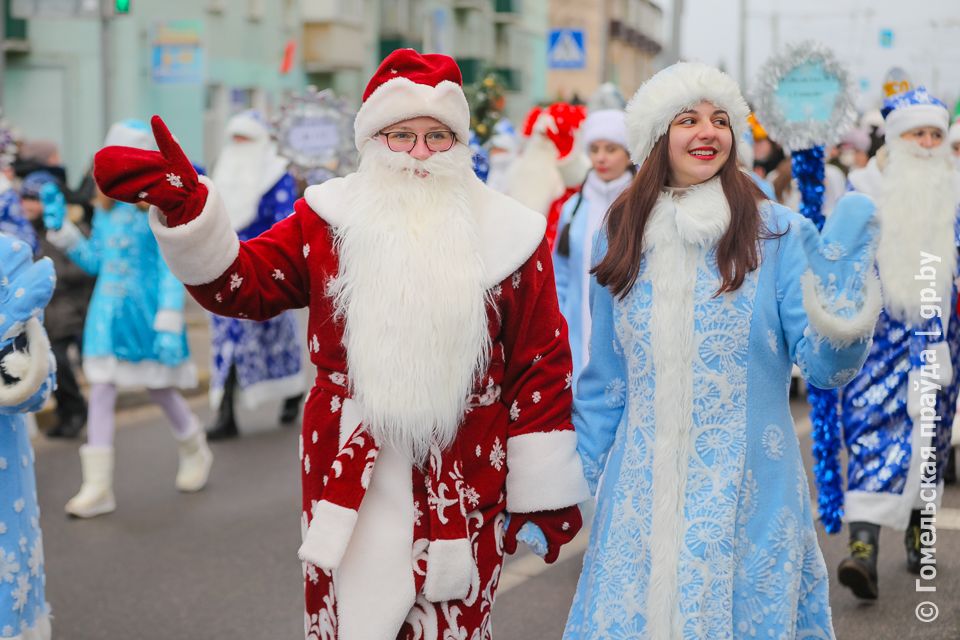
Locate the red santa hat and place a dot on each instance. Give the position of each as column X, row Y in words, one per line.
column 410, row 85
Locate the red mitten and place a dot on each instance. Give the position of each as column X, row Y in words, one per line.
column 164, row 178
column 558, row 527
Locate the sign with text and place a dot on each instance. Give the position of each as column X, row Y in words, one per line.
column 177, row 52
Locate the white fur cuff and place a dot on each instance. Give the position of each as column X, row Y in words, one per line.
column 841, row 332
column 168, row 320
column 31, row 373
column 66, row 237
column 450, row 568
column 199, row 251
column 544, row 472
column 328, row 535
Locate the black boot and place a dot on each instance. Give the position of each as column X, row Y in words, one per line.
column 911, row 540
column 290, row 410
column 950, row 473
column 67, row 428
column 859, row 571
column 224, row 426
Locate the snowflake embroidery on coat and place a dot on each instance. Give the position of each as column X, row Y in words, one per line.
column 479, row 451
column 306, row 464
column 772, row 341
column 218, row 298
column 306, row 250
column 235, row 281
column 314, row 437
column 315, row 344
column 278, row 275
column 536, row 397
column 515, row 280
column 142, row 195
column 514, row 411
column 334, row 404
column 335, row 378
column 556, row 333
column 615, row 393
column 773, row 442
column 497, row 455
column 470, row 495
column 539, row 266
column 175, row 180
column 568, row 380
column 417, row 512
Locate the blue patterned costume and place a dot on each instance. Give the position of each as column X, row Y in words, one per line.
column 24, row 612
column 136, row 298
column 12, row 221
column 721, row 545
column 266, row 355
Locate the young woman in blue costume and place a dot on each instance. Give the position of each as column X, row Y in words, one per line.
column 134, row 335
column 705, row 294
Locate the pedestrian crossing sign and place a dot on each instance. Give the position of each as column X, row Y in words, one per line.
column 565, row 49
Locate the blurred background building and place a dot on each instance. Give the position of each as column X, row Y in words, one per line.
column 71, row 67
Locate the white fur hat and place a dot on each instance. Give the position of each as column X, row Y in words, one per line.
column 953, row 136
column 678, row 87
column 606, row 124
column 915, row 108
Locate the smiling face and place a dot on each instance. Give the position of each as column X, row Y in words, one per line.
column 700, row 143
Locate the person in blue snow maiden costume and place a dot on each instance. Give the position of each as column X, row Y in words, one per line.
column 134, row 334
column 254, row 361
column 27, row 374
column 704, row 296
column 883, row 410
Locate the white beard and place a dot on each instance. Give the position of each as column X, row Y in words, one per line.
column 410, row 291
column 245, row 171
column 534, row 179
column 917, row 207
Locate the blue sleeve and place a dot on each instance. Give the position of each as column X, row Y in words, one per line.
column 561, row 264
column 820, row 362
column 86, row 252
column 171, row 292
column 600, row 396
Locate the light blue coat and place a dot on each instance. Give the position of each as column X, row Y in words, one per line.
column 739, row 557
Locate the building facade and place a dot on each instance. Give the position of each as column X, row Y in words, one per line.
column 619, row 41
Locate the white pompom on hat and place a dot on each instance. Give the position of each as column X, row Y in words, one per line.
column 130, row 133
column 679, row 87
column 408, row 85
column 606, row 124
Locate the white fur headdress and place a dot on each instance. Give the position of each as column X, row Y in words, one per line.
column 678, row 87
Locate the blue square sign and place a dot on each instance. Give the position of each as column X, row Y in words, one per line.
column 565, row 49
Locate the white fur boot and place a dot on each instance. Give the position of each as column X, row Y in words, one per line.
column 195, row 461
column 96, row 492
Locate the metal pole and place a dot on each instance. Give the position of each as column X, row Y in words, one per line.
column 3, row 47
column 676, row 24
column 742, row 62
column 106, row 65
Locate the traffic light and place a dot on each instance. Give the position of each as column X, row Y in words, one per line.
column 121, row 6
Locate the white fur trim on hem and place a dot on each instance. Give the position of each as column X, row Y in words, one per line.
column 146, row 373
column 37, row 369
column 199, row 251
column 841, row 332
column 39, row 631
column 544, row 472
column 509, row 232
column 328, row 535
column 401, row 99
column 168, row 320
column 450, row 569
column 253, row 396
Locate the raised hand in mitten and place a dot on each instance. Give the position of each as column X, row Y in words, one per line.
column 841, row 256
column 25, row 286
column 164, row 178
column 543, row 531
column 169, row 348
column 54, row 206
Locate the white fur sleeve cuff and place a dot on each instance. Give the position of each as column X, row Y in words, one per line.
column 544, row 472
column 841, row 332
column 66, row 237
column 199, row 251
column 328, row 535
column 30, row 367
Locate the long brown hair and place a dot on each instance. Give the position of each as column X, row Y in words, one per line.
column 738, row 252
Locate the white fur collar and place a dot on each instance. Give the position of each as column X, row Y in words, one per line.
column 867, row 180
column 32, row 367
column 509, row 232
column 699, row 215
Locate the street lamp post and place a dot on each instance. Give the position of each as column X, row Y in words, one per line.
column 106, row 63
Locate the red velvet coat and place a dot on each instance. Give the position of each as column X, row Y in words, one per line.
column 516, row 449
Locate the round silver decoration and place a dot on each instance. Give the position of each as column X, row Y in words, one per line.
column 791, row 132
column 314, row 130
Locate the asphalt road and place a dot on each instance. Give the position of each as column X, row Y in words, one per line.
column 222, row 564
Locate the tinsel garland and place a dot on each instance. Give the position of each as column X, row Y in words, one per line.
column 808, row 170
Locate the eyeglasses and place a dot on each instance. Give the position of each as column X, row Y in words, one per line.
column 405, row 141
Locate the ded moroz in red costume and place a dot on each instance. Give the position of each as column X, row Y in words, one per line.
column 442, row 401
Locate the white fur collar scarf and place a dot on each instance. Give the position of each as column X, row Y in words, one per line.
column 698, row 215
